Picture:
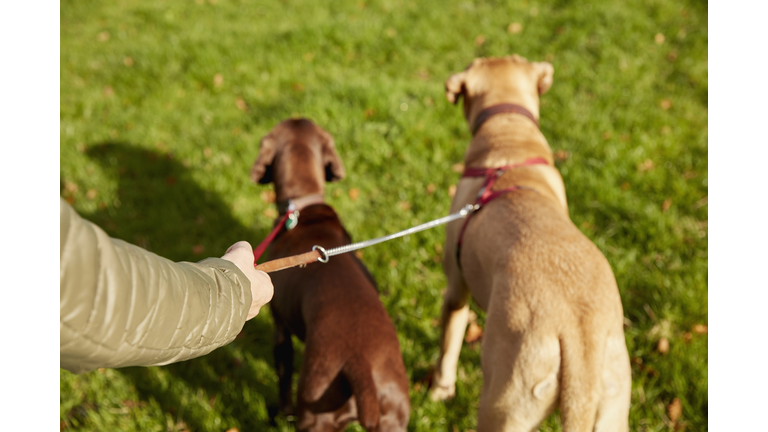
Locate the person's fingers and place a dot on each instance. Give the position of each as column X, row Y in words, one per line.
column 241, row 254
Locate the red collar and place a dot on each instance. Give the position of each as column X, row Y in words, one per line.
column 499, row 109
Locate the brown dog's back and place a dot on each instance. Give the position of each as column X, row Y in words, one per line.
column 351, row 344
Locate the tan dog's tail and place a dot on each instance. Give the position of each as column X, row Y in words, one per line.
column 358, row 373
column 582, row 353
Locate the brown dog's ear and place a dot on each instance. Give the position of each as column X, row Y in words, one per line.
column 261, row 172
column 544, row 71
column 334, row 169
column 454, row 87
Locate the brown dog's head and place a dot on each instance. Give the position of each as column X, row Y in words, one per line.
column 299, row 157
column 494, row 80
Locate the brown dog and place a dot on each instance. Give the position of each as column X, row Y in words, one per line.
column 554, row 317
column 352, row 368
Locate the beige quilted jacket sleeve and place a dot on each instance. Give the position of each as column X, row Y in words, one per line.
column 124, row 306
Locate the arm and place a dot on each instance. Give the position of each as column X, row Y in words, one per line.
column 124, row 306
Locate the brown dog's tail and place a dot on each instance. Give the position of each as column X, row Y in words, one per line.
column 582, row 354
column 358, row 373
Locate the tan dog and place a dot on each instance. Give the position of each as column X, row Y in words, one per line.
column 554, row 320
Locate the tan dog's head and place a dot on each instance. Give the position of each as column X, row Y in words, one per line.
column 299, row 157
column 494, row 80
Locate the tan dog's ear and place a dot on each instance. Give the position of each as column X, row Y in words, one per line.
column 261, row 172
column 454, row 87
column 334, row 169
column 544, row 70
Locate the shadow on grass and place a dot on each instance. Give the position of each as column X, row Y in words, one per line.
column 163, row 209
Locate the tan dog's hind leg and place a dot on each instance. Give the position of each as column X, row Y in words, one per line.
column 520, row 374
column 453, row 324
column 613, row 408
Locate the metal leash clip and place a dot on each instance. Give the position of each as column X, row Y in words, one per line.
column 323, row 254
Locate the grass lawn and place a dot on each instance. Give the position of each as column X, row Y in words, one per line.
column 163, row 104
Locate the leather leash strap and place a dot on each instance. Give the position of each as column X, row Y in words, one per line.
column 500, row 109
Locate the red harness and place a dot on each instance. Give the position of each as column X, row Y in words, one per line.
column 486, row 194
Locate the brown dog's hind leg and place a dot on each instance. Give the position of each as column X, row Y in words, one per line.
column 453, row 324
column 283, row 352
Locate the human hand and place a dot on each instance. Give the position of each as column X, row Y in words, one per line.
column 241, row 254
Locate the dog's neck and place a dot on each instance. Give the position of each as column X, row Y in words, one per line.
column 297, row 204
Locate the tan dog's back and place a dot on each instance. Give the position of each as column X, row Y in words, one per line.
column 554, row 316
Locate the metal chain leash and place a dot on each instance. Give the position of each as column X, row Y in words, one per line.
column 326, row 254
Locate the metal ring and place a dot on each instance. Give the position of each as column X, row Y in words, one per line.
column 323, row 254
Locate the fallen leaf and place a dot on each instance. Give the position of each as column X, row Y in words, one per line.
column 354, row 193
column 393, row 263
column 240, row 104
column 218, row 80
column 666, row 205
column 91, row 194
column 659, row 38
column 479, row 40
column 70, row 187
column 270, row 213
column 606, row 135
column 516, row 27
column 699, row 329
column 474, row 333
column 369, row 112
column 687, row 336
column 672, row 56
column 663, row 345
column 666, row 104
column 128, row 61
column 689, row 175
column 458, row 167
column 438, row 248
column 267, row 196
column 404, row 205
column 675, row 410
column 701, row 203
column 562, row 155
column 359, row 254
column 233, row 430
column 104, row 36
column 645, row 165
column 452, row 191
column 108, row 91
column 431, row 188
column 198, row 249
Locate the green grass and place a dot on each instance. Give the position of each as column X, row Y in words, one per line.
column 157, row 153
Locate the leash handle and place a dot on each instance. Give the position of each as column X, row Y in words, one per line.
column 288, row 262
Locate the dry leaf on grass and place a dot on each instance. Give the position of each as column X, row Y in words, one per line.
column 452, row 191
column 474, row 333
column 666, row 104
column 431, row 188
column 479, row 40
column 663, row 345
column 659, row 38
column 218, row 80
column 515, row 28
column 645, row 165
column 666, row 205
column 270, row 213
column 354, row 193
column 240, row 104
column 562, row 155
column 675, row 410
column 267, row 196
column 699, row 329
column 198, row 249
column 458, row 167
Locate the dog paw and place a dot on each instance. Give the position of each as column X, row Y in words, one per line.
column 442, row 392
